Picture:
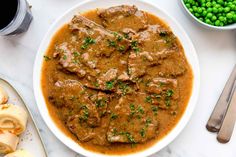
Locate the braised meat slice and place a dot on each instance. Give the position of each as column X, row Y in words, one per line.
column 164, row 92
column 66, row 93
column 95, row 38
column 173, row 66
column 85, row 133
column 82, row 114
column 137, row 64
column 132, row 120
column 105, row 82
column 101, row 100
column 155, row 47
column 69, row 59
column 72, row 95
column 91, row 42
column 123, row 16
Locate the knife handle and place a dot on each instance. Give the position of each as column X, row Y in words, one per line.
column 217, row 116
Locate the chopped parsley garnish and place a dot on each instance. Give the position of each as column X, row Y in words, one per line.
column 111, row 43
column 148, row 99
column 155, row 109
column 96, row 84
column 84, row 46
column 132, row 107
column 124, row 87
column 75, row 61
column 139, row 116
column 87, row 41
column 161, row 84
column 134, row 43
column 167, row 101
column 64, row 57
column 109, row 84
column 119, row 38
column 100, row 103
column 169, row 93
column 114, row 132
column 115, row 34
column 148, row 121
column 85, row 115
column 136, row 49
column 46, row 58
column 121, row 48
column 130, row 137
column 114, row 116
column 126, row 35
column 76, row 54
column 134, row 46
column 140, row 109
column 142, row 132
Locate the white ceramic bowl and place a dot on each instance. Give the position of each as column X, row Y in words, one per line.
column 92, row 4
column 227, row 27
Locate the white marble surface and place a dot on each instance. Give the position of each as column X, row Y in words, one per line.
column 217, row 55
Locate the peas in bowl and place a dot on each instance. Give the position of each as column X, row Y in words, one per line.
column 218, row 14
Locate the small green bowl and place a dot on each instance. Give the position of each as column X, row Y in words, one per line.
column 227, row 27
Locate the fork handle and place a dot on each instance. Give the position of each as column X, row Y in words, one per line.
column 227, row 127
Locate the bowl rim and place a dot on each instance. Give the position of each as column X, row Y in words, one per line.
column 41, row 104
column 227, row 27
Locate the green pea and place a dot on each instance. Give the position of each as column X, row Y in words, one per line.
column 208, row 4
column 191, row 10
column 217, row 22
column 214, row 10
column 220, row 9
column 213, row 18
column 232, row 7
column 222, row 19
column 188, row 5
column 208, row 21
column 220, row 2
column 202, row 1
column 204, row 13
column 234, row 17
column 217, row 6
column 209, row 10
column 197, row 14
column 195, row 9
column 191, row 1
column 199, row 10
column 230, row 21
column 229, row 15
column 201, row 19
column 209, row 15
column 227, row 9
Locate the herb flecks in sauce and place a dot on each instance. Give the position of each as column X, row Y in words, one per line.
column 46, row 58
column 87, row 41
column 113, row 112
